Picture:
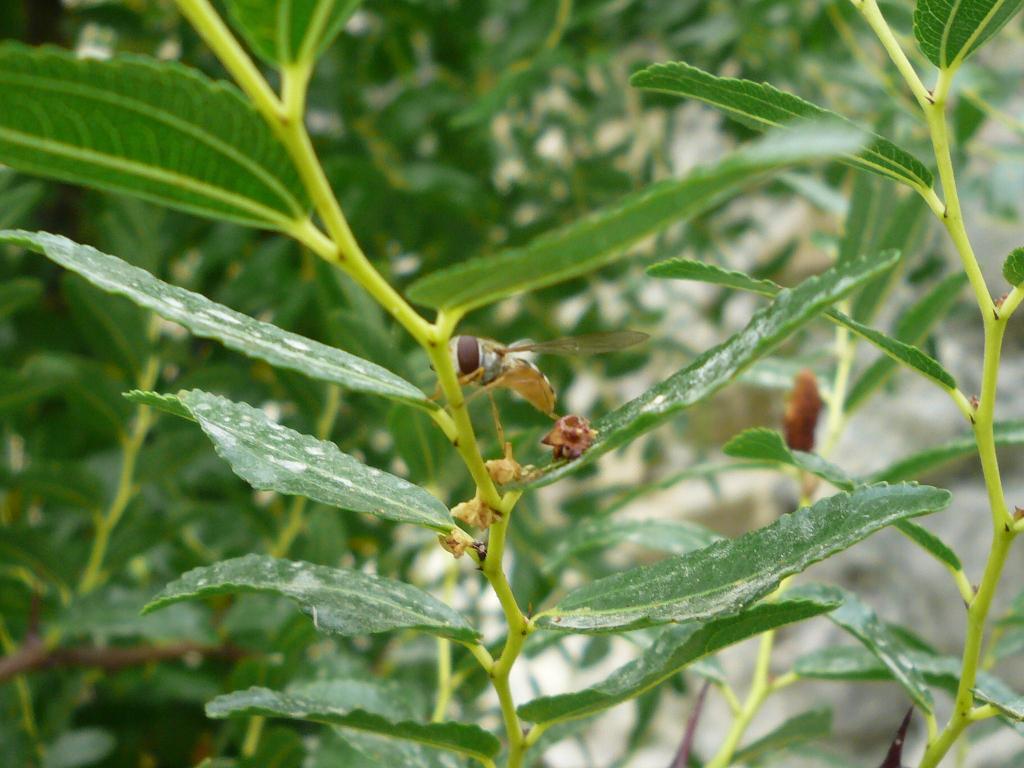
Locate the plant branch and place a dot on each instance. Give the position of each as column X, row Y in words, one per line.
column 759, row 691
column 131, row 444
column 445, row 685
column 873, row 16
column 34, row 656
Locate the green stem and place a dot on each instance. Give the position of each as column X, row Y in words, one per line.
column 444, row 653
column 251, row 741
column 952, row 215
column 28, row 717
column 465, row 441
column 845, row 349
column 873, row 15
column 759, row 691
column 983, row 418
column 106, row 522
column 339, row 247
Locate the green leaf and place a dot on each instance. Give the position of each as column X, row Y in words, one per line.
column 114, row 329
column 949, row 31
column 807, row 726
column 374, row 749
column 858, row 663
column 17, row 293
column 904, row 353
column 1006, row 434
column 316, row 703
column 911, row 356
column 211, row 320
column 865, row 216
column 672, row 536
column 152, row 129
column 674, row 649
column 1002, row 698
column 340, row 602
column 606, row 235
column 730, row 575
column 906, row 223
column 289, row 31
column 79, row 747
column 716, row 367
column 768, row 445
column 912, row 328
column 690, row 269
column 271, row 457
column 1013, row 267
column 929, row 541
column 761, row 106
column 841, row 662
column 863, row 623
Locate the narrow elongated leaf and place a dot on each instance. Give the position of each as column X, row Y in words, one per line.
column 863, row 623
column 912, row 328
column 152, row 129
column 606, row 235
column 769, row 445
column 907, row 221
column 209, row 319
column 1006, row 434
column 841, row 662
column 807, row 726
column 1001, row 697
column 672, row 536
column 674, row 649
column 690, row 269
column 929, row 541
column 78, row 748
column 729, row 575
column 17, row 293
column 287, row 31
column 1013, row 267
column 315, row 704
column 340, row 602
column 949, row 31
column 716, row 367
column 761, row 106
column 271, row 457
column 897, row 350
column 904, row 353
column 859, row 663
column 865, row 216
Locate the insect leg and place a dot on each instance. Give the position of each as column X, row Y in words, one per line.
column 497, row 418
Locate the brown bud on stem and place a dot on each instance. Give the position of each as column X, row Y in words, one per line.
column 455, row 541
column 802, row 410
column 506, row 470
column 475, row 512
column 570, row 437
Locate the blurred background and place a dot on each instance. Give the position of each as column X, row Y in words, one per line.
column 450, row 129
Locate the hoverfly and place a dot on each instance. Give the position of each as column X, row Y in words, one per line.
column 495, row 366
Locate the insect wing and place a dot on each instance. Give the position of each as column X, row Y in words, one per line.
column 587, row 344
column 529, row 383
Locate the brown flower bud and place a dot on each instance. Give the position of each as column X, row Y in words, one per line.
column 570, row 437
column 475, row 512
column 802, row 410
column 506, row 470
column 455, row 541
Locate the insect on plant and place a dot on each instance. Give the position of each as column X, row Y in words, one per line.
column 496, row 366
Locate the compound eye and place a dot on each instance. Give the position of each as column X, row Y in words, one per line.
column 467, row 354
